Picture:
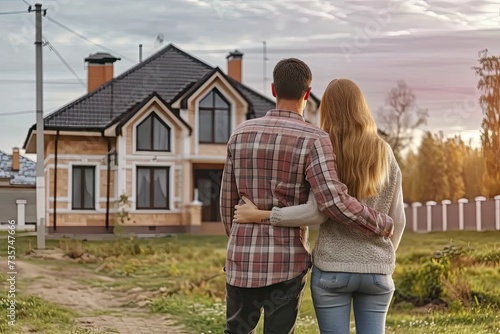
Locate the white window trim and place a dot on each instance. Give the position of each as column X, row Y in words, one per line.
column 171, row 189
column 166, row 121
column 97, row 184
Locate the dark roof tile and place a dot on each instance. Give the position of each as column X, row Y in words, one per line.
column 170, row 72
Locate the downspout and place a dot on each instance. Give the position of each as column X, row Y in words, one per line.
column 55, row 180
column 108, row 176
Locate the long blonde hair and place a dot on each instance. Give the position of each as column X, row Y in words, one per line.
column 361, row 153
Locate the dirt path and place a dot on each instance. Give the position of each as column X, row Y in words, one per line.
column 101, row 311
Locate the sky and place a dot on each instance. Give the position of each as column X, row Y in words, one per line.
column 431, row 44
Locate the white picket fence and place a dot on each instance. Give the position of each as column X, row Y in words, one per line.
column 479, row 215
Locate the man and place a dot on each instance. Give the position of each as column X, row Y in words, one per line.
column 274, row 161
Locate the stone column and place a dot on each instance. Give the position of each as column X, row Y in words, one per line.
column 21, row 213
column 479, row 199
column 415, row 207
column 429, row 204
column 461, row 203
column 195, row 208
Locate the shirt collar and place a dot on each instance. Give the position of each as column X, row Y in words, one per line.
column 285, row 114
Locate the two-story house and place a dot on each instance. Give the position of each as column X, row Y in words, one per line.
column 156, row 133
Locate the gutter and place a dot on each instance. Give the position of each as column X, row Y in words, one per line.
column 55, row 180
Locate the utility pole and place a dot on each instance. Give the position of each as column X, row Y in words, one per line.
column 40, row 155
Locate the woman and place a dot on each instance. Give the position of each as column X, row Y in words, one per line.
column 348, row 266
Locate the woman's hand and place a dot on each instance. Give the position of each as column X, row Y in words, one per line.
column 249, row 213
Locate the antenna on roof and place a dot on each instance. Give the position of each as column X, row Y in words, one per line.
column 159, row 40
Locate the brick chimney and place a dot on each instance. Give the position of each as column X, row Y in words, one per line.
column 99, row 69
column 15, row 159
column 234, row 65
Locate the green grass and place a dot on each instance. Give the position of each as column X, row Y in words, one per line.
column 36, row 315
column 185, row 273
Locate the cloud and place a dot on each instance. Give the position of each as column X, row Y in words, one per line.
column 430, row 43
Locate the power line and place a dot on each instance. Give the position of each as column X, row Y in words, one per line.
column 15, row 12
column 16, row 113
column 21, row 112
column 68, row 66
column 86, row 38
column 25, row 112
column 27, row 81
column 26, row 2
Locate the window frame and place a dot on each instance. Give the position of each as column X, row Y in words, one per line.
column 153, row 117
column 82, row 169
column 212, row 111
column 152, row 188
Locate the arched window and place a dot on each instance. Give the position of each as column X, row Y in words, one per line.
column 153, row 135
column 215, row 118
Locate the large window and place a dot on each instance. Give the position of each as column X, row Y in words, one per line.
column 153, row 135
column 152, row 187
column 215, row 118
column 83, row 188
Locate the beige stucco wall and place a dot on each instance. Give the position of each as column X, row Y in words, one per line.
column 74, row 150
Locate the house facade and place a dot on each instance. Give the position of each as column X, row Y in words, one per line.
column 17, row 189
column 155, row 134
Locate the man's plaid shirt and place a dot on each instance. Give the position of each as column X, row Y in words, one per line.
column 274, row 161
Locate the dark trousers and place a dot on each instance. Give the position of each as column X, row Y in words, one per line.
column 280, row 302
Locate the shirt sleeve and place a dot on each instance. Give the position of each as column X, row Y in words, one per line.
column 397, row 211
column 298, row 215
column 229, row 195
column 332, row 197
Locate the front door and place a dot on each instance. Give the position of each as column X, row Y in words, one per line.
column 208, row 182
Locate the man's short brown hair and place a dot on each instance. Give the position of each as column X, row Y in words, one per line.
column 292, row 78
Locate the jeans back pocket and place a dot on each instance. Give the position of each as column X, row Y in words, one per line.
column 333, row 281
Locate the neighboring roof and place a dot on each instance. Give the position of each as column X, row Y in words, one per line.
column 27, row 170
column 170, row 73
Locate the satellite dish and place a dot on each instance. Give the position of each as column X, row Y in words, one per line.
column 159, row 40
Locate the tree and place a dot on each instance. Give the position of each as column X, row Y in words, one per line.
column 455, row 167
column 474, row 169
column 489, row 86
column 410, row 177
column 401, row 117
column 432, row 174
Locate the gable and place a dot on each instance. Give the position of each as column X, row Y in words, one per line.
column 137, row 113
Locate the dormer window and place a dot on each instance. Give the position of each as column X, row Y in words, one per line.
column 153, row 135
column 215, row 118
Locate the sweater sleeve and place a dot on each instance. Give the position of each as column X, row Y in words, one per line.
column 298, row 215
column 396, row 211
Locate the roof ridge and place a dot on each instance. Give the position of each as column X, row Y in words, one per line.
column 184, row 53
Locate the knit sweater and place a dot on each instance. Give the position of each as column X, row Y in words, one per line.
column 341, row 248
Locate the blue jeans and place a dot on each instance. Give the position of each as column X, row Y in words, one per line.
column 332, row 293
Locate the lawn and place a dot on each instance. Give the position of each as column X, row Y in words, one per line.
column 185, row 276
